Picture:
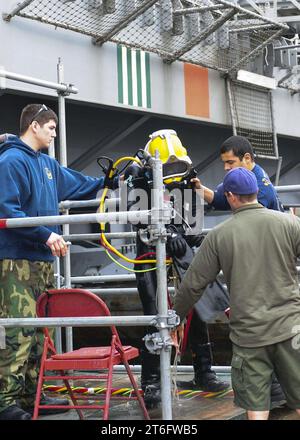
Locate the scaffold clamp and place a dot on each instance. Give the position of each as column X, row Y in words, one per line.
column 170, row 321
column 154, row 343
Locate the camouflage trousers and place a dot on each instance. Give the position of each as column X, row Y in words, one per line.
column 21, row 283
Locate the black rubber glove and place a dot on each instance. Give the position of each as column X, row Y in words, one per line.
column 176, row 246
column 194, row 240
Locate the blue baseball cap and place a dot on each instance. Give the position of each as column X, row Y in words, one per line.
column 240, row 181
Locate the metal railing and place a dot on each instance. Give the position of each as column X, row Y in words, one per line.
column 162, row 320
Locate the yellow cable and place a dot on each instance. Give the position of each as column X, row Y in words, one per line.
column 127, row 268
column 129, row 260
column 102, row 225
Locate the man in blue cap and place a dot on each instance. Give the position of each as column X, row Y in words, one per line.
column 237, row 151
column 263, row 289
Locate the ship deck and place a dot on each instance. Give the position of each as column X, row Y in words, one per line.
column 193, row 405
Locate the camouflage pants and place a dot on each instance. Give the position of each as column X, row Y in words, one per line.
column 21, row 283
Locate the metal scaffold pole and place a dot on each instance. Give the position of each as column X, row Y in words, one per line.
column 98, row 321
column 162, row 288
column 38, row 82
column 47, row 220
column 63, row 161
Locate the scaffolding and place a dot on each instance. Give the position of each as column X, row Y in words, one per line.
column 156, row 217
column 164, row 321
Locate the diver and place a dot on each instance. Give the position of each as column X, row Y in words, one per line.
column 178, row 176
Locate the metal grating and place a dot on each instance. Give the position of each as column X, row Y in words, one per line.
column 251, row 110
column 211, row 33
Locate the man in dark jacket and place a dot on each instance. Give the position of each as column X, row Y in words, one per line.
column 32, row 184
column 177, row 172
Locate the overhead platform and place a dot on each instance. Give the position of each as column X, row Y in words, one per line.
column 212, row 33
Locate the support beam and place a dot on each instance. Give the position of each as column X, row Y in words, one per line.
column 122, row 24
column 247, row 12
column 16, row 10
column 255, row 7
column 103, row 279
column 121, row 291
column 254, row 51
column 122, row 217
column 199, row 9
column 95, row 236
column 99, row 321
column 295, row 3
column 63, row 88
column 107, row 142
column 202, row 36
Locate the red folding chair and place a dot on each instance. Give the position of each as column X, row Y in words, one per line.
column 73, row 303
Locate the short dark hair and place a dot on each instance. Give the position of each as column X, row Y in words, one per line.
column 239, row 145
column 36, row 112
column 246, row 198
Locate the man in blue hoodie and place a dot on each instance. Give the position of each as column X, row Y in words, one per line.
column 32, row 184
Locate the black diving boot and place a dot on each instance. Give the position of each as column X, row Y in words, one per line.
column 205, row 378
column 150, row 379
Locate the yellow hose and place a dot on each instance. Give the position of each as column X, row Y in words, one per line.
column 102, row 225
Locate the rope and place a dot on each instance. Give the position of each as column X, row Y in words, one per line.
column 186, row 394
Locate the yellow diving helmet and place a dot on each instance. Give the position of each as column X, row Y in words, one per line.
column 176, row 162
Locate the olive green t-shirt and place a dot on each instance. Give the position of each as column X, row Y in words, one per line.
column 257, row 250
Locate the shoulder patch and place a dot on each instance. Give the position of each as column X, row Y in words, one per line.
column 265, row 181
column 49, row 174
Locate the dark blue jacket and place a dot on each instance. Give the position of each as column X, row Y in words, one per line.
column 32, row 184
column 267, row 195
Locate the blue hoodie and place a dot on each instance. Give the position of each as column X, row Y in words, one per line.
column 32, row 184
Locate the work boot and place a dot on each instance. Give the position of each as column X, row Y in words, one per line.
column 277, row 395
column 47, row 400
column 150, row 379
column 205, row 378
column 13, row 412
column 152, row 396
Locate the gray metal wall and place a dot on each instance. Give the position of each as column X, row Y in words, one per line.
column 32, row 48
column 98, row 127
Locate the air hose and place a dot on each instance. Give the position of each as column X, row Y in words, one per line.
column 104, row 240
